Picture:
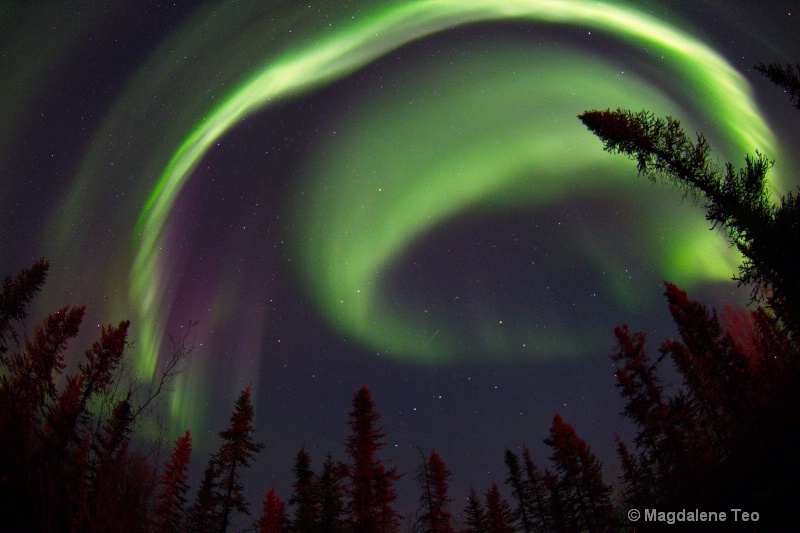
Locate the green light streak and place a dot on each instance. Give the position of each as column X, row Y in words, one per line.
column 363, row 40
column 468, row 147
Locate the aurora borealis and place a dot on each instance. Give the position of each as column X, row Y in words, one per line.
column 396, row 194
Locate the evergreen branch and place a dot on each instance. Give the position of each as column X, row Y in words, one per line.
column 785, row 77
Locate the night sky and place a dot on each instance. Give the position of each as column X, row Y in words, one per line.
column 397, row 194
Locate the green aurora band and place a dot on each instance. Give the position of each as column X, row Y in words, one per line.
column 524, row 147
column 461, row 151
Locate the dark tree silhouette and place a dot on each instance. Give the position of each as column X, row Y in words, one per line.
column 107, row 468
column 433, row 478
column 585, row 498
column 304, row 494
column 519, row 490
column 722, row 435
column 29, row 381
column 370, row 485
column 783, row 76
column 238, row 451
column 169, row 512
column 15, row 297
column 67, row 458
column 648, row 408
column 738, row 202
column 385, row 496
column 499, row 516
column 204, row 515
column 330, row 495
column 273, row 515
column 29, row 399
column 557, row 506
column 475, row 514
column 536, row 498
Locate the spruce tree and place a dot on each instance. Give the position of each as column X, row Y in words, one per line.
column 475, row 514
column 785, row 77
column 536, row 501
column 499, row 516
column 557, row 509
column 273, row 514
column 304, row 494
column 722, row 435
column 330, row 494
column 28, row 383
column 237, row 452
column 433, row 479
column 204, row 515
column 388, row 520
column 111, row 452
column 67, row 458
column 15, row 297
column 581, row 489
column 519, row 489
column 170, row 512
column 370, row 485
column 736, row 201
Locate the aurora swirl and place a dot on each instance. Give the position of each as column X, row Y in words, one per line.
column 455, row 153
column 346, row 253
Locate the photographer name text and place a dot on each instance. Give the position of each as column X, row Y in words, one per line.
column 692, row 515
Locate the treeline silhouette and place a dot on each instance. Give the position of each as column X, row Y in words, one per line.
column 80, row 452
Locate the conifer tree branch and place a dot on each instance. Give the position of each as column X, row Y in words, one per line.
column 786, row 77
column 739, row 203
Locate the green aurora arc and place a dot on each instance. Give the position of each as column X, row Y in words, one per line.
column 458, row 151
column 355, row 229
